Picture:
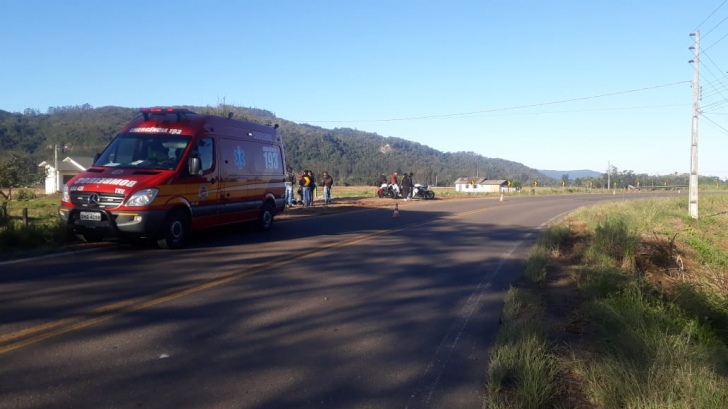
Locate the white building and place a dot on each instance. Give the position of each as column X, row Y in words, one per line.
column 481, row 185
column 67, row 169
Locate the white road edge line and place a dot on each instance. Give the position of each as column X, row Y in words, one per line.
column 425, row 389
column 421, row 396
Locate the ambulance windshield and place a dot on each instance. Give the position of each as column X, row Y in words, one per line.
column 144, row 151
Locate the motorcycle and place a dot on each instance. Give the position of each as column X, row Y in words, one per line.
column 422, row 192
column 387, row 190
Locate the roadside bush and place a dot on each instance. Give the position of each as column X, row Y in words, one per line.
column 615, row 239
column 535, row 268
column 25, row 194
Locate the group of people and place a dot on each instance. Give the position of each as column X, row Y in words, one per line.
column 406, row 182
column 305, row 186
column 306, row 183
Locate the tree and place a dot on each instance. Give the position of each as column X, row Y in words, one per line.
column 17, row 169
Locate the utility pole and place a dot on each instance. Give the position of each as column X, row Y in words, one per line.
column 609, row 173
column 55, row 168
column 693, row 194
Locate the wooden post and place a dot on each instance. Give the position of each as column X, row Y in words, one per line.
column 25, row 217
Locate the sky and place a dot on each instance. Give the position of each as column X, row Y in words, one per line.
column 554, row 85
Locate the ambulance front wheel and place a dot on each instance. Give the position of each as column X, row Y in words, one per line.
column 175, row 230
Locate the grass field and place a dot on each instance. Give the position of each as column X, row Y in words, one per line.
column 42, row 230
column 645, row 324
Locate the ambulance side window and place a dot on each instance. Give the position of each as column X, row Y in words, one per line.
column 204, row 149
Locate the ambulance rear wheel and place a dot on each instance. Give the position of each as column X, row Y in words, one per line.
column 175, row 230
column 265, row 221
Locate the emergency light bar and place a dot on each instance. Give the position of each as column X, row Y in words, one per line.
column 151, row 111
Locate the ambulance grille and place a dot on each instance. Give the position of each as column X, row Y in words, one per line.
column 97, row 200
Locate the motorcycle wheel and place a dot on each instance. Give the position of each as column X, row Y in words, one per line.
column 430, row 194
column 380, row 193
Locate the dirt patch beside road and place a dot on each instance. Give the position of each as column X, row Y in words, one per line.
column 345, row 204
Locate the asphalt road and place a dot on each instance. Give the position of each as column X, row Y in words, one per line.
column 353, row 310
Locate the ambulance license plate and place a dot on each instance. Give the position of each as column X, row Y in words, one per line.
column 93, row 216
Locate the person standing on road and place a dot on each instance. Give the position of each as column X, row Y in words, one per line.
column 327, row 181
column 412, row 185
column 290, row 182
column 304, row 181
column 406, row 186
column 312, row 187
column 393, row 182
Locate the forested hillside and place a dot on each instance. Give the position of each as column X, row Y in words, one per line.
column 350, row 156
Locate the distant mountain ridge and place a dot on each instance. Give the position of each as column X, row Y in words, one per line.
column 351, row 156
column 573, row 174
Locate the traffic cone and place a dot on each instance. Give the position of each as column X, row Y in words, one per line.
column 501, row 199
column 396, row 210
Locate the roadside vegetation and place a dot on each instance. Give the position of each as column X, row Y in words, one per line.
column 623, row 305
column 42, row 230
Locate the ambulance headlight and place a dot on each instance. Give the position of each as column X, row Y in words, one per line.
column 66, row 197
column 142, row 198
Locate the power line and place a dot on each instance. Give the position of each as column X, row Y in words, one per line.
column 714, row 123
column 716, row 26
column 715, row 105
column 714, row 76
column 591, row 110
column 710, row 46
column 415, row 118
column 710, row 15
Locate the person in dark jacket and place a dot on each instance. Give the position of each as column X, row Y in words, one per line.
column 327, row 181
column 382, row 180
column 312, row 187
column 406, row 186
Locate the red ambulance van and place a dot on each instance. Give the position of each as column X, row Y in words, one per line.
column 171, row 171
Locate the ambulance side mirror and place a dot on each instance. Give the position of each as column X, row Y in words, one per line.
column 193, row 166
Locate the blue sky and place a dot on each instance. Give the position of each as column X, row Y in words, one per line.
column 559, row 85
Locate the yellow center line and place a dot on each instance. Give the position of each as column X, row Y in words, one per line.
column 52, row 329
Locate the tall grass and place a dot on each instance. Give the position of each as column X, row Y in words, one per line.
column 521, row 368
column 15, row 235
column 648, row 344
column 659, row 347
column 614, row 239
column 548, row 245
column 43, row 229
column 652, row 355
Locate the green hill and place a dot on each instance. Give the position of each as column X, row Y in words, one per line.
column 352, row 157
